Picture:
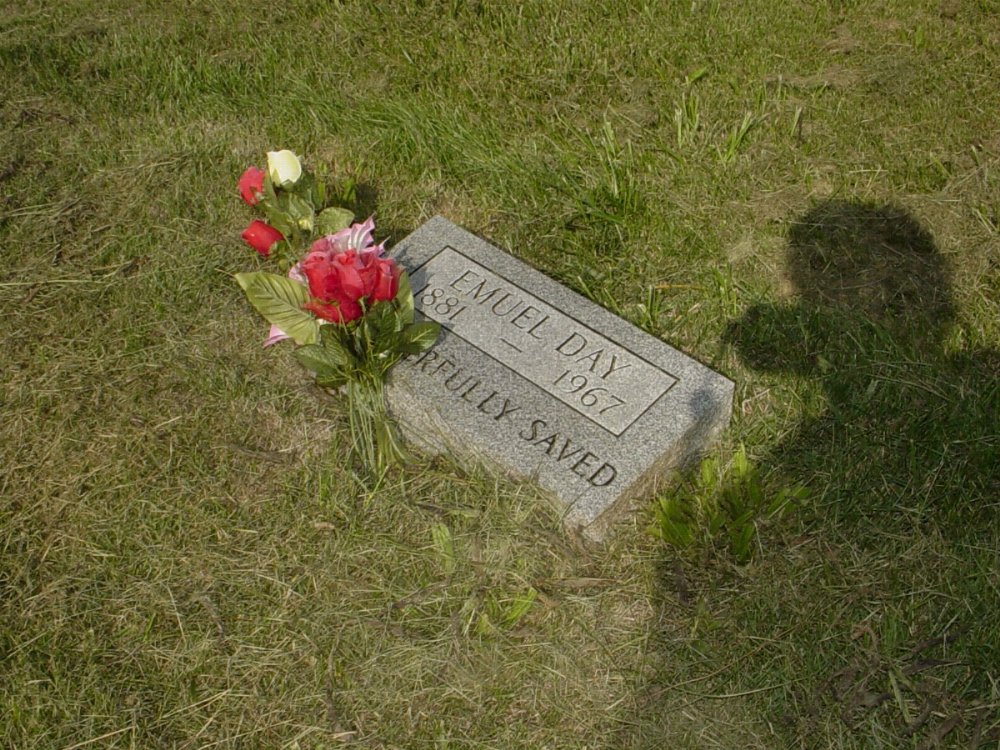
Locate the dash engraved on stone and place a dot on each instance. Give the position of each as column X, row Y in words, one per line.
column 596, row 377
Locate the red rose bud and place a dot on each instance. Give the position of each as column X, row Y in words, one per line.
column 379, row 276
column 251, row 185
column 338, row 311
column 386, row 280
column 261, row 236
column 334, row 276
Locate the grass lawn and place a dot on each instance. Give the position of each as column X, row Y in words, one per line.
column 805, row 196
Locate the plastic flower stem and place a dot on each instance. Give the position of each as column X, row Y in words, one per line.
column 373, row 433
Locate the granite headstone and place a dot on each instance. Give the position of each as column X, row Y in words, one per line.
column 530, row 377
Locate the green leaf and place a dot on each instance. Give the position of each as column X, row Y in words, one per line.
column 404, row 299
column 280, row 220
column 336, row 336
column 280, row 301
column 380, row 321
column 359, row 336
column 301, row 212
column 304, row 187
column 419, row 337
column 332, row 381
column 332, row 220
column 326, row 359
column 337, row 349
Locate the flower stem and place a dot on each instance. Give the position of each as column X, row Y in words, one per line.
column 376, row 441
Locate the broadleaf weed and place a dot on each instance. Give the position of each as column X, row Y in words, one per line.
column 721, row 507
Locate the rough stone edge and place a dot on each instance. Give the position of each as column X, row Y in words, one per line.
column 690, row 447
column 435, row 441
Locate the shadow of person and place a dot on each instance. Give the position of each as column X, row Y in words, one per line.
column 896, row 552
column 909, row 431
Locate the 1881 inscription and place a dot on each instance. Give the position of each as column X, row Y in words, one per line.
column 596, row 377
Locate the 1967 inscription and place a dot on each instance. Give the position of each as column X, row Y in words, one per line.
column 598, row 378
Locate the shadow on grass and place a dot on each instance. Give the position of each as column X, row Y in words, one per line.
column 880, row 618
column 365, row 203
column 909, row 434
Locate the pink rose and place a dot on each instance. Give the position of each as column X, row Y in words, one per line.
column 261, row 236
column 251, row 185
column 357, row 237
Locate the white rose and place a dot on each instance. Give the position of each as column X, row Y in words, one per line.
column 283, row 167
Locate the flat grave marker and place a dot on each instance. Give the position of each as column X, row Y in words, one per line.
column 532, row 378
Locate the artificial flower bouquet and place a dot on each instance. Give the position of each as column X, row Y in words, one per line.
column 347, row 306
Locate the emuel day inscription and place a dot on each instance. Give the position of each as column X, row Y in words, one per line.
column 596, row 377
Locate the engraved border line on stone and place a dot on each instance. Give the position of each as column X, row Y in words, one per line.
column 569, row 406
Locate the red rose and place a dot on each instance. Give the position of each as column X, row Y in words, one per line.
column 342, row 283
column 333, row 275
column 386, row 280
column 251, row 185
column 337, row 311
column 261, row 236
column 335, row 284
column 380, row 277
column 367, row 272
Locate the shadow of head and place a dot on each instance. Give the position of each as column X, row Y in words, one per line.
column 853, row 265
column 872, row 260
